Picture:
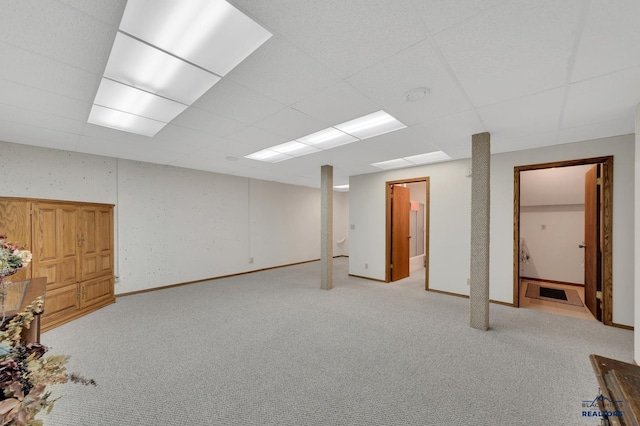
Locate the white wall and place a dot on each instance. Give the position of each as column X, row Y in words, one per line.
column 547, row 187
column 450, row 223
column 340, row 223
column 450, row 219
column 554, row 252
column 173, row 224
column 636, row 257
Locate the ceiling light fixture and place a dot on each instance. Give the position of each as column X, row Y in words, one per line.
column 166, row 55
column 414, row 160
column 370, row 125
column 361, row 128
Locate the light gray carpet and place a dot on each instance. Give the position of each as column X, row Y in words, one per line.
column 271, row 348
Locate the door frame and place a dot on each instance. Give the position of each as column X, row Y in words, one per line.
column 388, row 185
column 606, row 230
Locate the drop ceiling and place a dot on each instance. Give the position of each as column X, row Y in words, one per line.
column 532, row 73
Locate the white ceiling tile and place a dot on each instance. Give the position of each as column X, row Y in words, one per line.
column 233, row 100
column 253, row 138
column 117, row 138
column 442, row 14
column 505, row 144
column 345, row 36
column 109, row 12
column 521, row 48
column 42, row 100
column 137, row 149
column 37, row 136
column 416, row 67
column 40, row 119
column 602, row 98
column 336, row 104
column 530, row 114
column 602, row 129
column 203, row 121
column 180, row 138
column 508, row 56
column 610, row 40
column 453, row 133
column 48, row 74
column 291, row 124
column 275, row 69
column 55, row 30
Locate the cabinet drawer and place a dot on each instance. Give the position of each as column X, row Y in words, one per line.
column 96, row 291
column 60, row 303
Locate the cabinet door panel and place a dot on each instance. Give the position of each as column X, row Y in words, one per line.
column 68, row 232
column 46, row 229
column 55, row 238
column 96, row 291
column 96, row 229
column 60, row 303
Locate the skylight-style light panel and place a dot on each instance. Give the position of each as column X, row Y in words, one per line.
column 361, row 128
column 327, row 138
column 430, row 157
column 124, row 121
column 393, row 164
column 268, row 156
column 137, row 64
column 368, row 126
column 209, row 33
column 414, row 160
column 294, row 148
column 121, row 97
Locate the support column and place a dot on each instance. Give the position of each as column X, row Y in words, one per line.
column 326, row 228
column 480, row 214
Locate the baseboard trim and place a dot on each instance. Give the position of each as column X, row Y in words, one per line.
column 164, row 287
column 367, row 278
column 626, row 327
column 464, row 296
column 551, row 281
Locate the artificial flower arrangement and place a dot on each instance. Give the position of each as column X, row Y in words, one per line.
column 12, row 257
column 25, row 372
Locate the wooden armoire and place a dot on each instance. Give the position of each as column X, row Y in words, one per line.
column 72, row 246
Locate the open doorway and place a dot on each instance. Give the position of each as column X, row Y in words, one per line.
column 574, row 254
column 407, row 229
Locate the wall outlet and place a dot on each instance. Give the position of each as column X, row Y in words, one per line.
column 353, row 226
column 366, row 266
column 251, row 260
column 469, row 281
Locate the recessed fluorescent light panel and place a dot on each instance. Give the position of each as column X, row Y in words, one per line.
column 269, row 156
column 361, row 128
column 341, row 187
column 168, row 54
column 371, row 125
column 414, row 160
column 294, row 148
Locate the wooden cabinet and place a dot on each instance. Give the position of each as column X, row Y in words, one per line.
column 72, row 247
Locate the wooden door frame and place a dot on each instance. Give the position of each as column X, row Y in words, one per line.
column 607, row 227
column 388, row 185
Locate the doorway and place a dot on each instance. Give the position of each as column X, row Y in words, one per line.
column 407, row 228
column 598, row 207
